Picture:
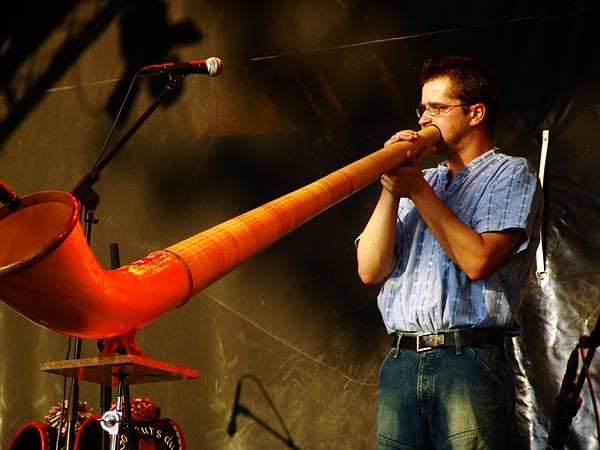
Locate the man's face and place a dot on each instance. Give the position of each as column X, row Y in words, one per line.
column 450, row 118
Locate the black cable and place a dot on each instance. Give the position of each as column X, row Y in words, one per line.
column 114, row 125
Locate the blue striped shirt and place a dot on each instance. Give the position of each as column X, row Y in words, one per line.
column 426, row 291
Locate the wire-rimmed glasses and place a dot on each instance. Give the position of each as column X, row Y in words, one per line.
column 436, row 110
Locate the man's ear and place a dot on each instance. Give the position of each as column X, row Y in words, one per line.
column 478, row 111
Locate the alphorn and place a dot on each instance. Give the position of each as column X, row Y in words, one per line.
column 49, row 274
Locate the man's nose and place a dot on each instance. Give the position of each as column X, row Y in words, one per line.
column 425, row 119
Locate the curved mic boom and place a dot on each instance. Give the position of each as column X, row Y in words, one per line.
column 49, row 274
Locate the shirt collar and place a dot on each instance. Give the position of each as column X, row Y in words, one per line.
column 474, row 163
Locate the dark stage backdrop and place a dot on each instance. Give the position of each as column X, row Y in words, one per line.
column 307, row 88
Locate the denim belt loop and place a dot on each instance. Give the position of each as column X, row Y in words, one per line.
column 457, row 343
column 399, row 338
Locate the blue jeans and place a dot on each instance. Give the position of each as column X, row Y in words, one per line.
column 446, row 400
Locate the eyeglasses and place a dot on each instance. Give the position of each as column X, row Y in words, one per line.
column 438, row 110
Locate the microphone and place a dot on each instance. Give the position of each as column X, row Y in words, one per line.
column 8, row 197
column 232, row 427
column 211, row 67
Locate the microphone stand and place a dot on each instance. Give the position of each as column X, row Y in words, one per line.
column 89, row 199
column 568, row 401
column 83, row 190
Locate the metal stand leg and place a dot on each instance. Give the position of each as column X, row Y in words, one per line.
column 117, row 422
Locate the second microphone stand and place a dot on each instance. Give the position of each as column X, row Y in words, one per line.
column 569, row 399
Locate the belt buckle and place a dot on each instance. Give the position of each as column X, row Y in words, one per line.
column 435, row 340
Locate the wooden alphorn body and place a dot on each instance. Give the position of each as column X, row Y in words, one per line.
column 49, row 275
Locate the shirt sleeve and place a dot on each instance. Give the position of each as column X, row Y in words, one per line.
column 513, row 200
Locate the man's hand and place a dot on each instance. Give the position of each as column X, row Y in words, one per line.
column 406, row 179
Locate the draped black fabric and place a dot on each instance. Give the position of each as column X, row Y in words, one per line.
column 307, row 88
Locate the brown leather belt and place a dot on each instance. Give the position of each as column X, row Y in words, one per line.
column 471, row 337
